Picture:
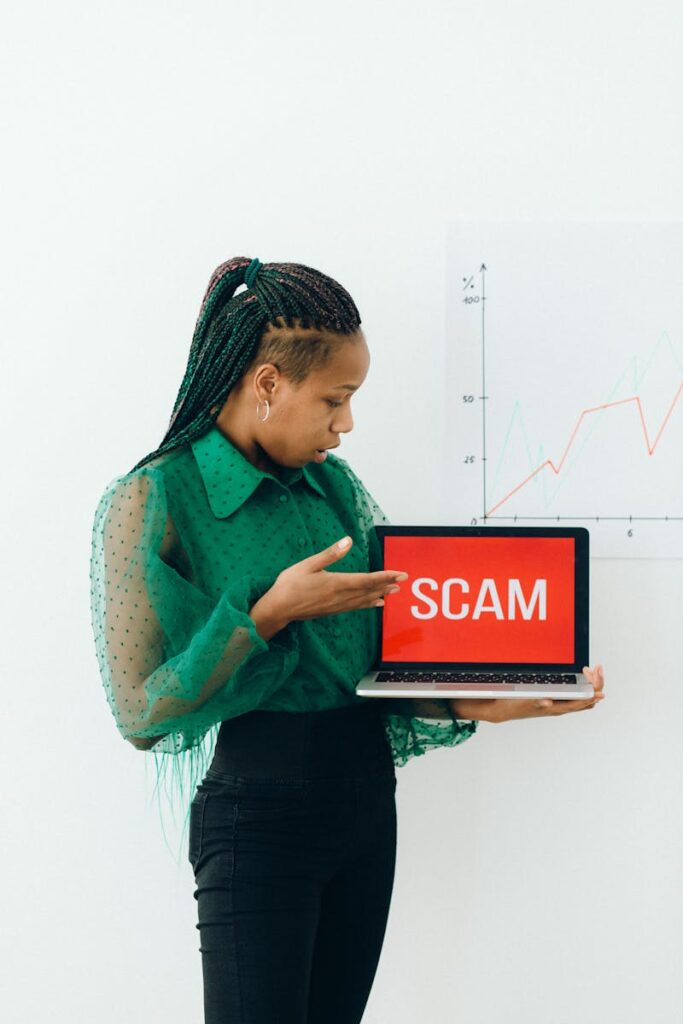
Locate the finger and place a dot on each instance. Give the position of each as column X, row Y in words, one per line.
column 384, row 576
column 559, row 707
column 563, row 707
column 594, row 678
column 369, row 583
column 333, row 553
column 577, row 705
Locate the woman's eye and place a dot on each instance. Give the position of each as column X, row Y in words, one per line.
column 330, row 402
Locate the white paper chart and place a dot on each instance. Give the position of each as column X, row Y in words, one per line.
column 564, row 380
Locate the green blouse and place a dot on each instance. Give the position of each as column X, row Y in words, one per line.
column 183, row 547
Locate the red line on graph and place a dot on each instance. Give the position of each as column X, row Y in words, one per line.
column 597, row 408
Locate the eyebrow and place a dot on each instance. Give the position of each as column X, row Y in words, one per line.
column 351, row 387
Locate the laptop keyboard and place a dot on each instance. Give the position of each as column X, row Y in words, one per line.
column 485, row 678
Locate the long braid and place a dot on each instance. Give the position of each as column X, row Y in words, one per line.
column 283, row 301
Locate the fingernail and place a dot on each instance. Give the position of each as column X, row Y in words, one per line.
column 401, row 576
column 344, row 542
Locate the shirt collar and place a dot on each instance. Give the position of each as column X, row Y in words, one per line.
column 230, row 478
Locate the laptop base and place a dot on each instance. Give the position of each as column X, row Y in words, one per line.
column 581, row 689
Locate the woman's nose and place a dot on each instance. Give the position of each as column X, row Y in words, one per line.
column 344, row 421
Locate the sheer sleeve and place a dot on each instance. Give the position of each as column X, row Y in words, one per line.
column 173, row 660
column 413, row 726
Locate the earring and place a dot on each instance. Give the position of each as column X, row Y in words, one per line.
column 263, row 420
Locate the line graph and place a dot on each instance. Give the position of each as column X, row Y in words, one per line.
column 585, row 412
column 529, row 352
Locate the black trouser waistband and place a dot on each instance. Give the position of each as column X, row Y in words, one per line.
column 343, row 741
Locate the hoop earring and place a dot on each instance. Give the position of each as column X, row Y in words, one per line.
column 263, row 420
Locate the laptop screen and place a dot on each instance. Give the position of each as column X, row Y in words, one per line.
column 492, row 597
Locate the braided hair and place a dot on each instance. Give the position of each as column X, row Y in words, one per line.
column 290, row 315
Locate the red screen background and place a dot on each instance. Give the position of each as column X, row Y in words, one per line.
column 487, row 639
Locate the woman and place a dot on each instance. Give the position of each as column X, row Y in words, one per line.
column 235, row 573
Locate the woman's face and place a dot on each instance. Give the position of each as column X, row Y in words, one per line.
column 311, row 415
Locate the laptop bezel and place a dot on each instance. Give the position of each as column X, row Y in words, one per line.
column 581, row 596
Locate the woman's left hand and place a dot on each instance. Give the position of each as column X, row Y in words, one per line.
column 507, row 709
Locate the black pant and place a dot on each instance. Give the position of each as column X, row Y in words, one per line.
column 293, row 847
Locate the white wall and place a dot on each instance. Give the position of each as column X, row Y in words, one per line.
column 538, row 874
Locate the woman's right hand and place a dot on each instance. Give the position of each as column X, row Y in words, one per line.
column 305, row 590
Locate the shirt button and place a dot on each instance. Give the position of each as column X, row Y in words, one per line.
column 301, row 541
column 283, row 497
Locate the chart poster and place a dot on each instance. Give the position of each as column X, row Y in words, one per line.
column 564, row 380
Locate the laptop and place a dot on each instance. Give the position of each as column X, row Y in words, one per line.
column 486, row 611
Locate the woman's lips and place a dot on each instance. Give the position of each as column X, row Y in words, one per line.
column 321, row 453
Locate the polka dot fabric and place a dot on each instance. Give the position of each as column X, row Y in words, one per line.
column 182, row 548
